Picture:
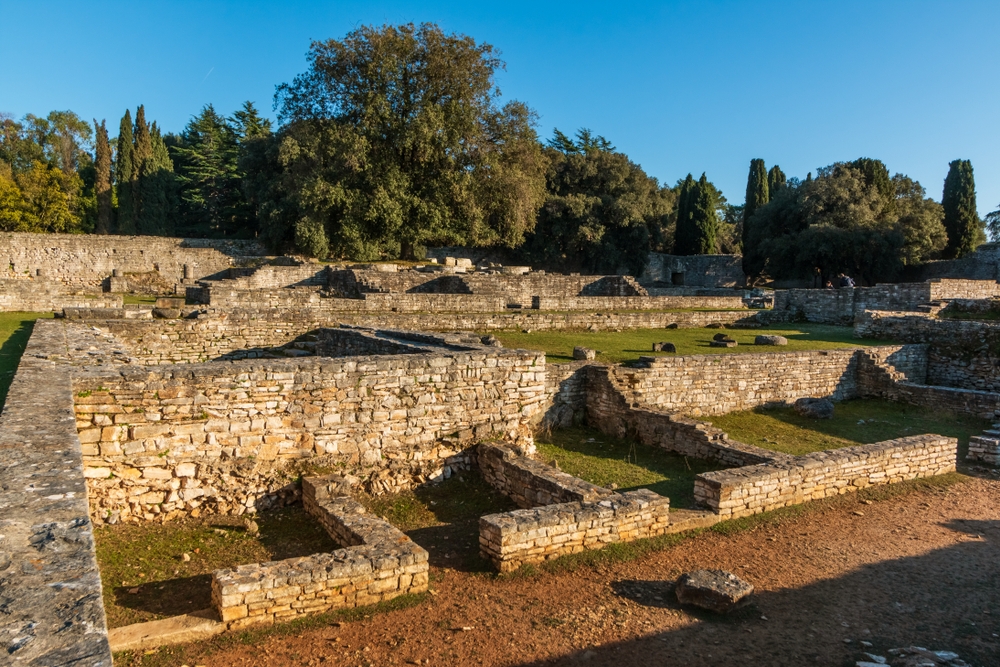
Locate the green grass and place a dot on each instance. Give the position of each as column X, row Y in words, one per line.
column 603, row 460
column 15, row 329
column 147, row 559
column 138, row 298
column 855, row 422
column 628, row 346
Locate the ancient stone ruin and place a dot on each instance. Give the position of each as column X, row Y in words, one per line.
column 258, row 371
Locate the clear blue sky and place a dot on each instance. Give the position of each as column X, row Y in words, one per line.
column 678, row 86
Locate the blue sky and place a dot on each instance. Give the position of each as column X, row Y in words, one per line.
column 678, row 86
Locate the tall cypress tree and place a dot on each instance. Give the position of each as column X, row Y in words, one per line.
column 142, row 151
column 775, row 181
column 758, row 194
column 123, row 176
column 157, row 189
column 704, row 218
column 683, row 233
column 102, row 178
column 961, row 219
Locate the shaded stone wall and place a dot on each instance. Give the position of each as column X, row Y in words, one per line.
column 45, row 295
column 87, row 259
column 695, row 270
column 759, row 488
column 165, row 442
column 530, row 483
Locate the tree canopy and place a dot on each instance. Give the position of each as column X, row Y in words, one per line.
column 396, row 137
column 961, row 219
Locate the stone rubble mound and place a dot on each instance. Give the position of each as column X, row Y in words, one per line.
column 913, row 656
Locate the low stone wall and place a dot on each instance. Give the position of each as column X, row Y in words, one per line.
column 715, row 384
column 530, row 483
column 985, row 448
column 379, row 563
column 759, row 488
column 566, row 391
column 166, row 442
column 44, row 295
column 52, row 607
column 513, row 539
column 609, row 411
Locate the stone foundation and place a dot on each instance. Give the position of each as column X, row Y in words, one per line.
column 759, row 488
column 378, row 563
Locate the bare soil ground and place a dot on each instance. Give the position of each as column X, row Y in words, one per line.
column 921, row 567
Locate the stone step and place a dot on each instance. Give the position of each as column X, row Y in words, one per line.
column 192, row 627
column 681, row 520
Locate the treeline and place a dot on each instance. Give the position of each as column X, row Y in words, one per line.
column 396, row 138
column 854, row 218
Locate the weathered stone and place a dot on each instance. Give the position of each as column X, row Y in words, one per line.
column 814, row 408
column 723, row 343
column 770, row 340
column 664, row 347
column 722, row 337
column 166, row 313
column 583, row 353
column 715, row 590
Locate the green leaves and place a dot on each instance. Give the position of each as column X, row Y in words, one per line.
column 961, row 219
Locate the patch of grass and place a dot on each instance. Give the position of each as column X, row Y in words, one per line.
column 603, row 460
column 855, row 422
column 170, row 656
column 628, row 346
column 15, row 330
column 147, row 559
column 138, row 298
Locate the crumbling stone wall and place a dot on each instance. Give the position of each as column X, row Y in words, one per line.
column 87, row 259
column 161, row 443
column 378, row 563
column 44, row 295
column 755, row 489
column 695, row 270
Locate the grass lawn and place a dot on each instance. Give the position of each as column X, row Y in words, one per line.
column 138, row 299
column 15, row 329
column 144, row 576
column 603, row 460
column 629, row 345
column 855, row 422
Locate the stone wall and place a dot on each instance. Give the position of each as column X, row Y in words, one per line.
column 714, row 384
column 759, row 488
column 530, row 483
column 53, row 610
column 45, row 295
column 565, row 388
column 694, row 270
column 608, row 410
column 379, row 563
column 87, row 259
column 983, row 264
column 575, row 515
column 842, row 305
column 166, row 442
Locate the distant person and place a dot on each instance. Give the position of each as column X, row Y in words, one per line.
column 845, row 280
column 828, row 285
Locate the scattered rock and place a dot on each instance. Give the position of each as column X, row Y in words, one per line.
column 133, row 591
column 770, row 340
column 917, row 656
column 166, row 313
column 715, row 590
column 721, row 337
column 715, row 325
column 814, row 408
column 672, row 325
column 186, row 557
column 584, row 353
column 252, row 526
column 491, row 341
column 664, row 347
column 722, row 340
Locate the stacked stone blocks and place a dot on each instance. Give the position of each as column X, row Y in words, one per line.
column 378, row 563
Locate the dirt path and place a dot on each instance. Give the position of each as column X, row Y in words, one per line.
column 922, row 568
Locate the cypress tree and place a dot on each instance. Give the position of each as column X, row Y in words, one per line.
column 758, row 194
column 961, row 220
column 775, row 180
column 683, row 232
column 157, row 189
column 704, row 218
column 142, row 151
column 123, row 176
column 102, row 178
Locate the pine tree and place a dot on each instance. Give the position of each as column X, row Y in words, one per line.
column 775, row 181
column 758, row 194
column 961, row 219
column 249, row 124
column 123, row 176
column 102, row 178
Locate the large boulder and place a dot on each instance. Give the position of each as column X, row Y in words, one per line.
column 770, row 340
column 584, row 353
column 715, row 590
column 814, row 408
column 722, row 340
column 664, row 347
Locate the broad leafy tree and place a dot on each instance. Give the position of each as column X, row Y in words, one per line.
column 396, row 137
